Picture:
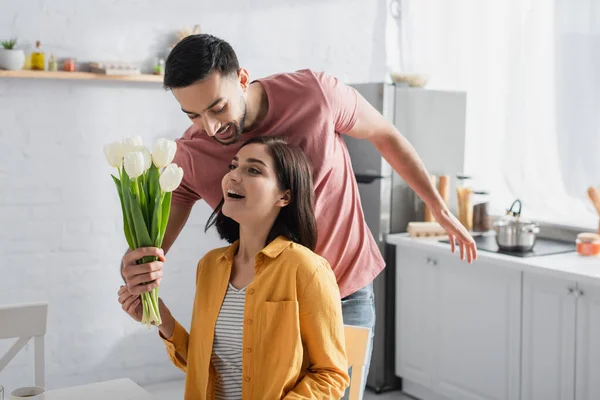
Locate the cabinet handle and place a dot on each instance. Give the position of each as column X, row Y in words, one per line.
column 431, row 261
column 570, row 291
column 579, row 293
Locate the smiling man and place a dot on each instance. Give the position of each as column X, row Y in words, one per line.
column 311, row 110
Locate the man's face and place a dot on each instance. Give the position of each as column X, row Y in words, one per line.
column 217, row 105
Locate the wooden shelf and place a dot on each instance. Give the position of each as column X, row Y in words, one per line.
column 79, row 76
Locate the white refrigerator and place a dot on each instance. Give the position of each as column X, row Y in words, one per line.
column 434, row 122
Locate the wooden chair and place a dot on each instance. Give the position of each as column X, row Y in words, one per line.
column 25, row 322
column 357, row 339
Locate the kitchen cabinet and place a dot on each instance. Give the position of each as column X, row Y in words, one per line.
column 413, row 317
column 458, row 326
column 549, row 313
column 587, row 378
column 500, row 328
column 561, row 339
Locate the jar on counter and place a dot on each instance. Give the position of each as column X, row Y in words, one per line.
column 588, row 244
column 69, row 65
column 52, row 63
column 464, row 194
column 481, row 217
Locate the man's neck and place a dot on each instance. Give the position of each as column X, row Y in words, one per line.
column 258, row 105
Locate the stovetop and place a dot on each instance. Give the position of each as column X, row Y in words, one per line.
column 543, row 247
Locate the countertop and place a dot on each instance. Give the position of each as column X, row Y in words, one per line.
column 570, row 266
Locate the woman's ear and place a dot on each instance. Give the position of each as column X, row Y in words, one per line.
column 285, row 199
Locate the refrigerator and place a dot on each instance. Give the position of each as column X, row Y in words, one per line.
column 434, row 122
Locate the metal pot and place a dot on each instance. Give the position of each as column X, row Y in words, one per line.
column 515, row 234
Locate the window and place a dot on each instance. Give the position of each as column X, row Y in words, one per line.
column 531, row 69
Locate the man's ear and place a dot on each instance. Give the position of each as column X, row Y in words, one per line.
column 285, row 199
column 243, row 78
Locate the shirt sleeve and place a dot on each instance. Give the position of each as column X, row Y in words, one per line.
column 342, row 100
column 322, row 331
column 186, row 194
column 177, row 346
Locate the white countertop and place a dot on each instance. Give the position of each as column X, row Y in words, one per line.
column 119, row 389
column 569, row 266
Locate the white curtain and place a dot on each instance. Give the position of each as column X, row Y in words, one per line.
column 531, row 69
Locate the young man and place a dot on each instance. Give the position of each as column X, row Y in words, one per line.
column 312, row 110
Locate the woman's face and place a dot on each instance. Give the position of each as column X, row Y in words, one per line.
column 250, row 188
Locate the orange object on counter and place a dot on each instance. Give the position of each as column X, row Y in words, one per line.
column 588, row 244
column 69, row 65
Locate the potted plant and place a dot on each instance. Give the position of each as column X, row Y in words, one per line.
column 11, row 58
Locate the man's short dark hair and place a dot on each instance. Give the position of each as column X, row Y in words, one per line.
column 195, row 57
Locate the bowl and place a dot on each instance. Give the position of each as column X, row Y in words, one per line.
column 412, row 80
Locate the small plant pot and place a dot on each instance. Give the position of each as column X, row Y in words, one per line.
column 12, row 59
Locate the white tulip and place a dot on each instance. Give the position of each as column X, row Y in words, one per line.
column 163, row 152
column 114, row 154
column 170, row 178
column 134, row 164
column 147, row 156
column 130, row 143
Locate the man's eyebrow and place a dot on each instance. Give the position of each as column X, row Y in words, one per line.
column 214, row 103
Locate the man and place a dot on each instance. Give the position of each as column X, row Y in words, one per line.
column 312, row 110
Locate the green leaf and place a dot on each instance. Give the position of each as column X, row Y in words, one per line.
column 144, row 201
column 125, row 222
column 156, row 219
column 164, row 220
column 127, row 196
column 139, row 225
column 153, row 187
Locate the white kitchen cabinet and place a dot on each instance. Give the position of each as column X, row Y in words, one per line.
column 413, row 319
column 501, row 328
column 458, row 326
column 476, row 330
column 587, row 378
column 549, row 312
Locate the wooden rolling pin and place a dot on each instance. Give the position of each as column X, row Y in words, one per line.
column 594, row 195
column 444, row 188
column 427, row 214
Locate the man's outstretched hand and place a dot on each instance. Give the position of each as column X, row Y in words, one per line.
column 457, row 234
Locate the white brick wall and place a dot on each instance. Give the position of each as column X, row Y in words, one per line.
column 61, row 238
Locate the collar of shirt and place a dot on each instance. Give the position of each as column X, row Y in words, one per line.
column 272, row 250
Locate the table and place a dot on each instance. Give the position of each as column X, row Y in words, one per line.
column 118, row 389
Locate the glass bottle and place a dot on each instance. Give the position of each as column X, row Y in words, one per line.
column 481, row 218
column 38, row 61
column 464, row 194
column 52, row 63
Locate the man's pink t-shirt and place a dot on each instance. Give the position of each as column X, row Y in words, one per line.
column 311, row 110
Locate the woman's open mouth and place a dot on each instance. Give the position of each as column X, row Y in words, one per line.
column 234, row 195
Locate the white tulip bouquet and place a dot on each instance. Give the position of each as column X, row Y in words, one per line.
column 145, row 183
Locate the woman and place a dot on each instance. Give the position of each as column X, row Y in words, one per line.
column 267, row 320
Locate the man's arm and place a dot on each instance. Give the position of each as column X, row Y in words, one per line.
column 403, row 158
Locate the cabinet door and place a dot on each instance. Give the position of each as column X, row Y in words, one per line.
column 548, row 338
column 587, row 378
column 477, row 317
column 413, row 327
